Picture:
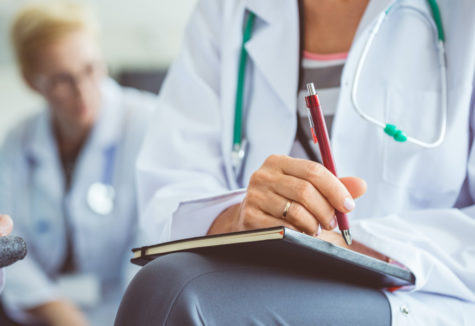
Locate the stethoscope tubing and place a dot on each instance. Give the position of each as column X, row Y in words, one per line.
column 238, row 151
column 443, row 71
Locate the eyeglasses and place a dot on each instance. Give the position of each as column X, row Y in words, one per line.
column 67, row 84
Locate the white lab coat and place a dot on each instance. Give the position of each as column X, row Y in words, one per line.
column 419, row 207
column 32, row 186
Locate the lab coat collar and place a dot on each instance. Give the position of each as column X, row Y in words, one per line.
column 285, row 33
column 272, row 31
column 374, row 8
column 41, row 143
column 265, row 9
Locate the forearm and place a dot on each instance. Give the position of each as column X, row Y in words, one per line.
column 58, row 313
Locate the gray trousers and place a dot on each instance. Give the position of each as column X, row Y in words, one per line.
column 197, row 289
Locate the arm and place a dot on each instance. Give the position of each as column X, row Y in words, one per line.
column 197, row 172
column 59, row 313
column 28, row 288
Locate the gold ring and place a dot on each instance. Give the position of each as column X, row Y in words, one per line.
column 286, row 209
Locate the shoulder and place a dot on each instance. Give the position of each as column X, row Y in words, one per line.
column 18, row 135
column 141, row 101
column 128, row 99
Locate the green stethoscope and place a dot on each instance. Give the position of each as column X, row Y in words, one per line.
column 239, row 142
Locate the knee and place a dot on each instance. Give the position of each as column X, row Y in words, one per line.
column 152, row 291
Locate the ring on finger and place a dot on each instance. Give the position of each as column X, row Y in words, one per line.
column 286, row 209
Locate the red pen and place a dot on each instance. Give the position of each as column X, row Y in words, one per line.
column 317, row 120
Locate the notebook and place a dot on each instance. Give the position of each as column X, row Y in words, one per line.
column 283, row 247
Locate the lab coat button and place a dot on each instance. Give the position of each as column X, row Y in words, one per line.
column 404, row 310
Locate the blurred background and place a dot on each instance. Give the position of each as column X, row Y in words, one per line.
column 140, row 38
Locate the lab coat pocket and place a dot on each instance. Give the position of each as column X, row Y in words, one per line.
column 421, row 170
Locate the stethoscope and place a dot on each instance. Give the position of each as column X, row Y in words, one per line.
column 240, row 144
column 101, row 194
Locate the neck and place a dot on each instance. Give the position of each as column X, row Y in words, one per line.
column 330, row 25
column 69, row 137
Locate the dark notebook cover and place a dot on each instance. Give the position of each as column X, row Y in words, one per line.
column 291, row 250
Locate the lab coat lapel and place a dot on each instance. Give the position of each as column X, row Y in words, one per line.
column 274, row 31
column 278, row 69
column 45, row 171
column 345, row 117
column 374, row 8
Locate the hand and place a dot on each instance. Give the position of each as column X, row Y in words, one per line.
column 312, row 191
column 6, row 225
column 59, row 313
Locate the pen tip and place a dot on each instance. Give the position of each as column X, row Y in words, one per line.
column 347, row 236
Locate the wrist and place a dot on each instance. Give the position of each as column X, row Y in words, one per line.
column 226, row 221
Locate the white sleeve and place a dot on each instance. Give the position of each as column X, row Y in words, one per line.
column 28, row 286
column 437, row 245
column 181, row 157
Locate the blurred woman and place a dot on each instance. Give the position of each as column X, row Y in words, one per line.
column 68, row 173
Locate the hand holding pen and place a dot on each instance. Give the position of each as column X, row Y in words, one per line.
column 297, row 193
column 320, row 134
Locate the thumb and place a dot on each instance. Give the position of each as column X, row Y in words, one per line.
column 6, row 225
column 356, row 186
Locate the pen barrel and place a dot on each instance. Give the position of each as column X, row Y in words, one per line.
column 318, row 119
column 342, row 219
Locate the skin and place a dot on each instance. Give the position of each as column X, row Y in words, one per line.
column 6, row 225
column 314, row 192
column 74, row 100
column 67, row 74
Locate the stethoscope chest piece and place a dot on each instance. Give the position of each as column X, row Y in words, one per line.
column 100, row 198
column 238, row 156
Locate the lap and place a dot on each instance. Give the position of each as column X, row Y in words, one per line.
column 190, row 288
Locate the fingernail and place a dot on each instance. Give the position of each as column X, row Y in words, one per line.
column 349, row 203
column 319, row 230
column 334, row 223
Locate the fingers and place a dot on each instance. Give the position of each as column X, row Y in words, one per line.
column 306, row 196
column 6, row 225
column 322, row 179
column 255, row 218
column 356, row 186
column 274, row 205
column 311, row 193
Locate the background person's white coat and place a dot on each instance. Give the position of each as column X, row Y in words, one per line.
column 419, row 208
column 32, row 192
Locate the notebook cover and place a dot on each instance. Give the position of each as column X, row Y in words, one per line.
column 302, row 253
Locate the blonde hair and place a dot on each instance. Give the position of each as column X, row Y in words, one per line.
column 40, row 24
